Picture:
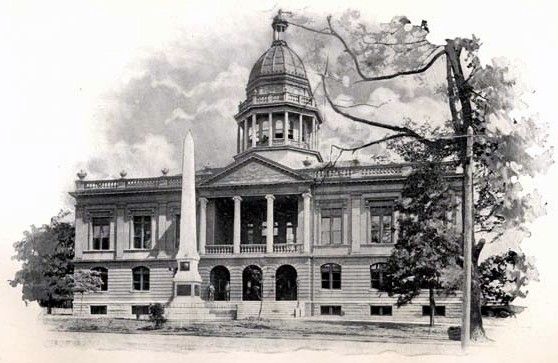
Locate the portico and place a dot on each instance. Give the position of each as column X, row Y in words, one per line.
column 265, row 224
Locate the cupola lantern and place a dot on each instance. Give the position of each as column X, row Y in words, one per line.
column 279, row 118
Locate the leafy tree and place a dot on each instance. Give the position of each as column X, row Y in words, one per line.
column 428, row 247
column 480, row 96
column 46, row 254
column 86, row 281
column 505, row 276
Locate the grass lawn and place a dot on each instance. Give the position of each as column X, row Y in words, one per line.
column 307, row 329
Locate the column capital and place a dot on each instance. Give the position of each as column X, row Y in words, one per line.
column 237, row 198
column 306, row 195
column 203, row 201
column 269, row 196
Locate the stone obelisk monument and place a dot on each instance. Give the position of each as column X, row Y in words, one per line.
column 187, row 281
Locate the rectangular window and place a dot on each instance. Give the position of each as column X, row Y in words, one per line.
column 438, row 311
column 101, row 233
column 279, row 129
column 140, row 309
column 331, row 276
column 332, row 226
column 381, row 310
column 381, row 221
column 330, row 310
column 142, row 232
column 98, row 309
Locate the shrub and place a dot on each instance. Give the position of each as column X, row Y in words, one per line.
column 157, row 315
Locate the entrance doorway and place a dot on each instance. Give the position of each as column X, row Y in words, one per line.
column 252, row 278
column 220, row 279
column 286, row 283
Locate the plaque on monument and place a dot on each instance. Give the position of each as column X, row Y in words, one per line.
column 184, row 290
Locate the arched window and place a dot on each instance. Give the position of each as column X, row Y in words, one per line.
column 331, row 276
column 377, row 275
column 103, row 274
column 140, row 277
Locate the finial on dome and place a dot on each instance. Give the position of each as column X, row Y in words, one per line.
column 279, row 25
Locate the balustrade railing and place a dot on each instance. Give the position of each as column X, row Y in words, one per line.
column 253, row 248
column 175, row 181
column 277, row 97
column 287, row 248
column 359, row 171
column 218, row 249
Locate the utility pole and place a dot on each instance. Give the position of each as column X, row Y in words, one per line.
column 467, row 239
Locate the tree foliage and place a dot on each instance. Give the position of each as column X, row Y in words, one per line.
column 46, row 254
column 428, row 248
column 47, row 271
column 504, row 277
column 354, row 57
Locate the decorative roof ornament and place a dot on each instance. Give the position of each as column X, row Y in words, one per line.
column 123, row 174
column 81, row 174
column 165, row 171
column 279, row 25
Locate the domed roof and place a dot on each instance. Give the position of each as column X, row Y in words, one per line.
column 278, row 60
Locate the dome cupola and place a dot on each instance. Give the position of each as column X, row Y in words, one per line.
column 279, row 112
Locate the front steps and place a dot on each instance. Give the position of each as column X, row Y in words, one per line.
column 270, row 309
column 230, row 310
column 200, row 311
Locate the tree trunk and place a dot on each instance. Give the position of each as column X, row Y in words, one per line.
column 49, row 306
column 432, row 305
column 477, row 329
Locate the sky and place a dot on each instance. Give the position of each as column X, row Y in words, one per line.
column 108, row 86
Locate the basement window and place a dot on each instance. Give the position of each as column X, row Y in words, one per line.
column 381, row 310
column 140, row 309
column 330, row 310
column 438, row 310
column 98, row 309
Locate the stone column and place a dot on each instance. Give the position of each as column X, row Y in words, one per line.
column 245, row 138
column 306, row 232
column 122, row 241
column 203, row 224
column 269, row 223
column 82, row 233
column 286, row 127
column 162, row 228
column 236, row 230
column 314, row 134
column 254, row 130
column 300, row 128
column 238, row 140
column 355, row 223
column 271, row 132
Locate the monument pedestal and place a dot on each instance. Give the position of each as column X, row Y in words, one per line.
column 187, row 281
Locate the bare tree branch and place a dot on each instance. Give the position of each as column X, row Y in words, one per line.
column 384, row 77
column 356, row 62
column 405, row 130
column 364, row 104
column 363, row 146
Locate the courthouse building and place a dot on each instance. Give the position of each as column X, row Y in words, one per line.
column 274, row 224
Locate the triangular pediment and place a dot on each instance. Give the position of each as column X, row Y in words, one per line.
column 254, row 170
